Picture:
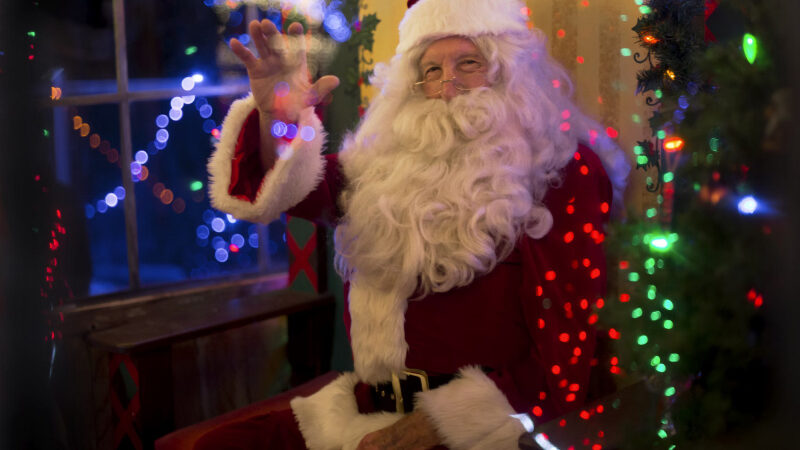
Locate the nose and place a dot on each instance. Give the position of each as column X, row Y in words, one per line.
column 449, row 90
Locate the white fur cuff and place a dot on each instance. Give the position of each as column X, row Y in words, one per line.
column 329, row 419
column 470, row 412
column 296, row 173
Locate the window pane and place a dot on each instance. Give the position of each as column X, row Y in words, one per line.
column 180, row 236
column 86, row 141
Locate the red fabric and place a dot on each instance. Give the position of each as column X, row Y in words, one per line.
column 497, row 320
column 276, row 429
column 246, row 168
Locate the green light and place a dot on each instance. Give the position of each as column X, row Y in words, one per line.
column 32, row 33
column 626, row 52
column 639, row 2
column 750, row 47
column 668, row 305
column 662, row 434
column 642, row 340
column 650, row 263
column 660, row 244
column 191, row 50
column 669, row 176
column 652, row 212
column 668, row 324
column 623, row 17
column 661, row 368
column 674, row 357
column 697, row 187
column 710, row 158
column 713, row 143
column 660, row 263
column 661, row 134
column 46, row 132
column 670, row 391
column 655, row 361
column 636, row 313
column 649, row 181
column 633, row 277
column 641, row 160
column 651, row 292
column 196, row 186
column 660, row 199
column 673, row 238
column 655, row 315
column 638, row 150
column 645, row 9
column 659, row 94
column 636, row 119
column 672, row 447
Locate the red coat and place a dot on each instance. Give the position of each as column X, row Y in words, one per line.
column 530, row 319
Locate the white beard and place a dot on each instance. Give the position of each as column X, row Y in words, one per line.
column 437, row 198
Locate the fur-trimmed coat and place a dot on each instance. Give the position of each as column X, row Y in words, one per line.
column 529, row 320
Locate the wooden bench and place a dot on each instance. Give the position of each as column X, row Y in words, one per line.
column 148, row 342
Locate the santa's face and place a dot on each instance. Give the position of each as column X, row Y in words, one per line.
column 451, row 66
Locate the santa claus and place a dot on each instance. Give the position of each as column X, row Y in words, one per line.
column 469, row 207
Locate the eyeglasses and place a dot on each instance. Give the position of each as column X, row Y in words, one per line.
column 432, row 88
column 470, row 75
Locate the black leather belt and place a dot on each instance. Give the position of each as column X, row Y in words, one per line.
column 385, row 395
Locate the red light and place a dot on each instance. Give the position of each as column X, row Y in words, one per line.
column 562, row 423
column 588, row 227
column 600, row 303
column 539, row 291
column 569, row 237
column 550, row 275
column 58, row 213
column 537, row 411
column 542, row 395
column 215, row 133
column 614, row 361
column 526, row 11
column 759, row 301
column 563, row 337
column 585, row 415
column 624, row 265
column 582, row 335
column 580, row 59
column 673, row 144
column 597, row 447
column 604, row 208
column 541, row 324
column 650, row 39
column 584, row 170
column 234, row 248
column 624, row 298
column 563, row 383
column 584, row 303
column 561, row 33
column 613, row 334
column 577, row 156
column 595, row 273
column 592, row 319
column 574, row 387
column 600, row 410
column 570, row 209
column 570, row 397
column 556, row 369
column 587, row 262
column 612, row 133
column 615, row 370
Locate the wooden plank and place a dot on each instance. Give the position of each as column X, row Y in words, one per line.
column 202, row 318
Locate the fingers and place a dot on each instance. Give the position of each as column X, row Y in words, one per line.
column 261, row 33
column 295, row 29
column 243, row 53
column 321, row 90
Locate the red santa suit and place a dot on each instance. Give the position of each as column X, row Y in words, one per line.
column 529, row 321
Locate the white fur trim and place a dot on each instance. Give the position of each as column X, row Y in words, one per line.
column 377, row 332
column 433, row 19
column 470, row 412
column 295, row 174
column 329, row 419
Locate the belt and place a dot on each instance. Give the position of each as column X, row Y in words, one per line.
column 398, row 395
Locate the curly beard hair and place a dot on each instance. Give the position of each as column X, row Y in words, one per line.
column 440, row 197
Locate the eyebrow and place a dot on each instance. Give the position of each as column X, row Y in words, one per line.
column 425, row 64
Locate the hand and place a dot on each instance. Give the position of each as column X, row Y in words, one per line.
column 281, row 59
column 414, row 431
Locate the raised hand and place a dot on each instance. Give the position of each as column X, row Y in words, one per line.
column 279, row 78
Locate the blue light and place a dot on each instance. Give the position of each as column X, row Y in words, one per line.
column 221, row 255
column 209, row 125
column 175, row 114
column 235, row 18
column 208, row 216
column 136, row 168
column 162, row 135
column 748, row 205
column 205, row 111
column 119, row 191
column 278, row 129
column 187, row 84
column 162, row 120
column 200, row 102
column 282, row 89
column 291, row 131
column 90, row 212
column 237, row 240
column 203, row 232
column 230, row 218
column 218, row 225
column 141, row 157
column 187, row 99
column 102, row 207
column 678, row 116
column 218, row 242
column 160, row 145
column 111, row 200
column 683, row 102
column 176, row 103
column 198, row 77
column 252, row 240
column 244, row 38
column 307, row 133
column 336, row 25
column 208, row 2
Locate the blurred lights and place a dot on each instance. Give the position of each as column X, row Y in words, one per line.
column 750, row 47
column 218, row 225
column 748, row 205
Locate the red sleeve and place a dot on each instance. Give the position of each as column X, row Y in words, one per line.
column 247, row 174
column 565, row 279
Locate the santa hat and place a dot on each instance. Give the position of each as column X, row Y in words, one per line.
column 428, row 20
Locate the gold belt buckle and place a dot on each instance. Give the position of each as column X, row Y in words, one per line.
column 398, row 392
